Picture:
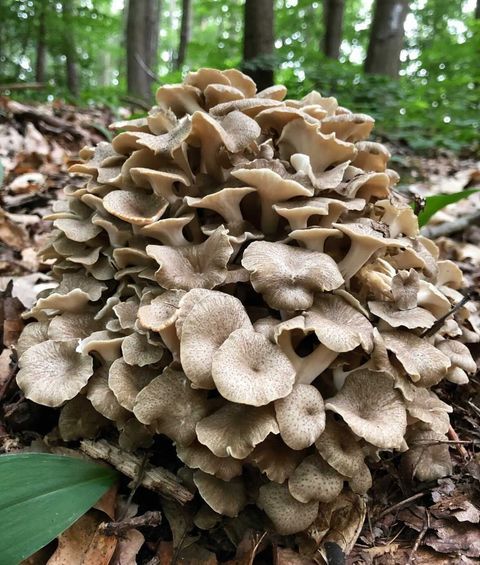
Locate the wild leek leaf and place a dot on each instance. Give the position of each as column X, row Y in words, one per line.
column 41, row 496
column 436, row 202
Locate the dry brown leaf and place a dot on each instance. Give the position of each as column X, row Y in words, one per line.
column 285, row 556
column 11, row 233
column 127, row 549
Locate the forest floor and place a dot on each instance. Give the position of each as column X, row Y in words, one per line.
column 406, row 522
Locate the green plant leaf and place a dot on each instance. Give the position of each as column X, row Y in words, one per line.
column 436, row 202
column 41, row 496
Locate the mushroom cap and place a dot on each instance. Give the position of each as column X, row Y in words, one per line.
column 225, row 497
column 103, row 399
column 234, row 430
column 204, row 330
column 197, row 456
column 414, row 318
column 79, row 420
column 52, row 372
column 428, row 408
column 193, row 266
column 314, row 479
column 459, row 354
column 135, row 207
column 427, row 458
column 170, row 406
column 337, row 324
column 288, row 277
column 33, row 334
column 425, row 364
column 372, row 408
column 249, row 369
column 301, row 416
column 287, row 514
column 275, row 459
column 340, row 448
column 126, row 381
column 136, row 350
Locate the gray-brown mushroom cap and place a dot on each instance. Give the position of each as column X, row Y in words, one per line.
column 288, row 277
column 314, row 479
column 249, row 369
column 225, row 497
column 372, row 408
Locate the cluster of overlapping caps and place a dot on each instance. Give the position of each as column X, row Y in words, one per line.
column 238, row 275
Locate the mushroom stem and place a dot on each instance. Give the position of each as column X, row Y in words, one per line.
column 313, row 365
column 171, row 341
column 269, row 218
column 358, row 254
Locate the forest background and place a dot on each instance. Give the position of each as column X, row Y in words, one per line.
column 412, row 65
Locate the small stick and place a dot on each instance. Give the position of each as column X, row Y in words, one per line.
column 421, row 535
column 452, row 434
column 447, row 228
column 400, row 504
column 154, row 478
column 118, row 529
column 439, row 323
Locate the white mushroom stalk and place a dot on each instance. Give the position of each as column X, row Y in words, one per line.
column 238, row 283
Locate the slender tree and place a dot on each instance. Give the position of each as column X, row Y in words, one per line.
column 185, row 33
column 386, row 37
column 69, row 47
column 143, row 21
column 333, row 20
column 40, row 62
column 477, row 10
column 258, row 41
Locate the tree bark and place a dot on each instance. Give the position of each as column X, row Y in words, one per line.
column 185, row 33
column 477, row 10
column 70, row 52
column 333, row 18
column 143, row 20
column 258, row 41
column 40, row 62
column 386, row 37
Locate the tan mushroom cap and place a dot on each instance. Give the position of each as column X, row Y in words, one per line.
column 33, row 334
column 102, row 398
column 73, row 326
column 273, row 185
column 169, row 231
column 235, row 429
column 79, row 420
column 134, row 435
column 225, row 202
column 77, row 229
column 126, row 381
column 181, row 99
column 287, row 514
column 428, row 457
column 449, row 274
column 399, row 217
column 301, row 416
column 364, row 242
column 275, row 459
column 225, row 497
column 372, row 408
column 428, row 408
column 459, row 354
column 163, row 183
column 298, row 136
column 249, row 369
column 136, row 350
column 126, row 313
column 338, row 325
column 204, row 330
column 288, row 277
column 329, row 179
column 348, row 127
column 371, row 156
column 220, row 93
column 170, row 406
column 197, row 456
column 340, row 449
column 193, row 266
column 135, row 207
column 275, row 92
column 425, row 364
column 315, row 480
column 52, row 372
column 414, row 318
column 104, row 343
column 405, row 287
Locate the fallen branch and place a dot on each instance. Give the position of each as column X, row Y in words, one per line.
column 118, row 529
column 154, row 478
column 22, row 86
column 400, row 504
column 448, row 228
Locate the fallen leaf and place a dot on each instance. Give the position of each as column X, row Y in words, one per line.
column 27, row 183
column 285, row 556
column 128, row 547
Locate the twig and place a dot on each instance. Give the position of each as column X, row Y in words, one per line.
column 446, row 441
column 448, row 228
column 119, row 528
column 23, row 86
column 146, row 68
column 421, row 535
column 475, row 408
column 136, row 102
column 136, row 483
column 452, row 434
column 439, row 323
column 154, row 478
column 400, row 504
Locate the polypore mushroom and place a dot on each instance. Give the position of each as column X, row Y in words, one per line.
column 288, row 277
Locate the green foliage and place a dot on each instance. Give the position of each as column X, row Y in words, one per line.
column 437, row 202
column 42, row 495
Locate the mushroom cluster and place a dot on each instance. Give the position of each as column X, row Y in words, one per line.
column 238, row 275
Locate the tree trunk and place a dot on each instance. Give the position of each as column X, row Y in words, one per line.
column 477, row 10
column 258, row 41
column 143, row 19
column 41, row 46
column 185, row 33
column 333, row 18
column 386, row 37
column 70, row 53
